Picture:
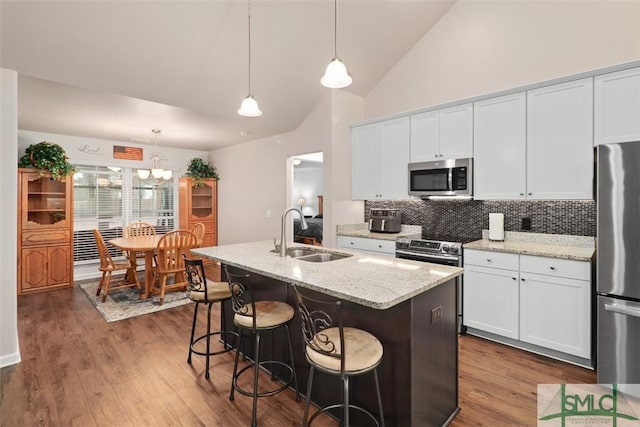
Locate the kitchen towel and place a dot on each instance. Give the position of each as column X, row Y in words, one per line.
column 496, row 226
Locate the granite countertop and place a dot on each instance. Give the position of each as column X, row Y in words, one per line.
column 362, row 230
column 579, row 248
column 373, row 281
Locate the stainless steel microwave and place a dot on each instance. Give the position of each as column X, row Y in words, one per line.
column 452, row 177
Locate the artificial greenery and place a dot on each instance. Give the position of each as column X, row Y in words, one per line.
column 198, row 169
column 47, row 157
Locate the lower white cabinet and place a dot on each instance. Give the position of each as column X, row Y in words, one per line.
column 544, row 301
column 364, row 244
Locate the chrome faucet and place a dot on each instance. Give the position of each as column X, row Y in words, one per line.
column 303, row 225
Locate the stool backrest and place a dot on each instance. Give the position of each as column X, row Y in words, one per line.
column 317, row 316
column 194, row 269
column 241, row 296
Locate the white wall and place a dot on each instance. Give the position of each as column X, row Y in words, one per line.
column 481, row 47
column 92, row 151
column 9, row 349
column 253, row 175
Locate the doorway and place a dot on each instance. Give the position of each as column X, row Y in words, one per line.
column 307, row 195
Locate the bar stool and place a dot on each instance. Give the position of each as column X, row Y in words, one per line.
column 206, row 292
column 258, row 317
column 337, row 350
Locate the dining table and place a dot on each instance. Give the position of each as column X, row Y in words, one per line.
column 146, row 244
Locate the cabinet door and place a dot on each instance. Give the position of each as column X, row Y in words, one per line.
column 560, row 141
column 203, row 200
column 425, row 137
column 490, row 300
column 456, row 132
column 499, row 137
column 556, row 313
column 365, row 154
column 34, row 268
column 394, row 158
column 617, row 107
column 59, row 265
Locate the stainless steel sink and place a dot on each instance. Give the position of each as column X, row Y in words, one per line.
column 323, row 257
column 313, row 255
column 296, row 252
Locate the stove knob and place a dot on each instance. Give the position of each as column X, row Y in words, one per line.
column 445, row 248
column 453, row 250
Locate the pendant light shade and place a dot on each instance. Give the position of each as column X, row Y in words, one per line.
column 143, row 173
column 249, row 106
column 336, row 75
column 156, row 171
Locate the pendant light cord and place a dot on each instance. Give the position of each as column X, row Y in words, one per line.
column 249, row 21
column 335, row 28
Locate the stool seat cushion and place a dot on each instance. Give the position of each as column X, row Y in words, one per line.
column 268, row 314
column 362, row 351
column 216, row 291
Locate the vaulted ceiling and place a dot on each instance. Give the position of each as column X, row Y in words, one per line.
column 117, row 69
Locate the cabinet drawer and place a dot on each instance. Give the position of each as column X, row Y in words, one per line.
column 32, row 238
column 580, row 270
column 491, row 259
column 364, row 244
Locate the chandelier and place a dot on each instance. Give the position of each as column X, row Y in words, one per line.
column 156, row 171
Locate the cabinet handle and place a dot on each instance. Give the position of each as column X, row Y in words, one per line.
column 514, row 278
column 523, row 280
column 552, row 268
column 380, row 246
column 522, row 194
column 351, row 243
column 435, row 155
column 531, row 194
column 489, row 260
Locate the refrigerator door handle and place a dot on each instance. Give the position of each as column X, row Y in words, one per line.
column 622, row 309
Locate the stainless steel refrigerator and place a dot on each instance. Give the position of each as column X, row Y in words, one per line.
column 618, row 263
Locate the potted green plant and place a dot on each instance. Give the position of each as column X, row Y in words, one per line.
column 198, row 169
column 47, row 157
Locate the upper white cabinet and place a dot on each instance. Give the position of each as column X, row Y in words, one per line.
column 500, row 130
column 535, row 145
column 380, row 154
column 617, row 107
column 560, row 141
column 442, row 134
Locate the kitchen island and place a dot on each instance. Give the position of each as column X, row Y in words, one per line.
column 410, row 306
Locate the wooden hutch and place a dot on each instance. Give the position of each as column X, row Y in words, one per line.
column 199, row 203
column 45, row 232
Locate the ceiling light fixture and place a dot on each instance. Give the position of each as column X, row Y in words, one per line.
column 156, row 171
column 249, row 106
column 336, row 75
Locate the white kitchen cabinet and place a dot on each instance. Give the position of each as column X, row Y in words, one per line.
column 535, row 145
column 442, row 134
column 364, row 244
column 380, row 156
column 545, row 301
column 560, row 141
column 617, row 107
column 499, row 155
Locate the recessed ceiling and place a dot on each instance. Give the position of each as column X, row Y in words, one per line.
column 117, row 69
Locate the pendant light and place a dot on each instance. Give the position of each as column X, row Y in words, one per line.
column 156, row 171
column 336, row 75
column 249, row 106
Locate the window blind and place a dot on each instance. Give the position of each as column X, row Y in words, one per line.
column 109, row 198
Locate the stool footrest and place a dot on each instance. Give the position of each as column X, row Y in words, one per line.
column 341, row 405
column 227, row 346
column 284, row 386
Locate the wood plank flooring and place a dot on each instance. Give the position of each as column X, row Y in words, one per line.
column 78, row 370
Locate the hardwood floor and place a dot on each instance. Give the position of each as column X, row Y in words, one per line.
column 77, row 370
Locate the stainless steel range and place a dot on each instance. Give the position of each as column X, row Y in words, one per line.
column 437, row 252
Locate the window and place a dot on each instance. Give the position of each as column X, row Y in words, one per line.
column 108, row 198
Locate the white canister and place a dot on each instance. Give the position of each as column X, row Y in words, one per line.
column 496, row 226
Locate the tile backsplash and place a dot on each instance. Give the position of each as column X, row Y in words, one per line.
column 469, row 217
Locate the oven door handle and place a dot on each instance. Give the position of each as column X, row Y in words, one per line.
column 426, row 257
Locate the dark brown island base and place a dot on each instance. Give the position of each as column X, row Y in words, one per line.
column 409, row 306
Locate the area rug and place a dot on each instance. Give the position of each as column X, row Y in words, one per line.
column 125, row 303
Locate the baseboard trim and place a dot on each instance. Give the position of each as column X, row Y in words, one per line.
column 10, row 359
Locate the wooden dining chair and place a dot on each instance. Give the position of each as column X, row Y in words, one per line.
column 170, row 250
column 138, row 229
column 108, row 266
column 198, row 231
